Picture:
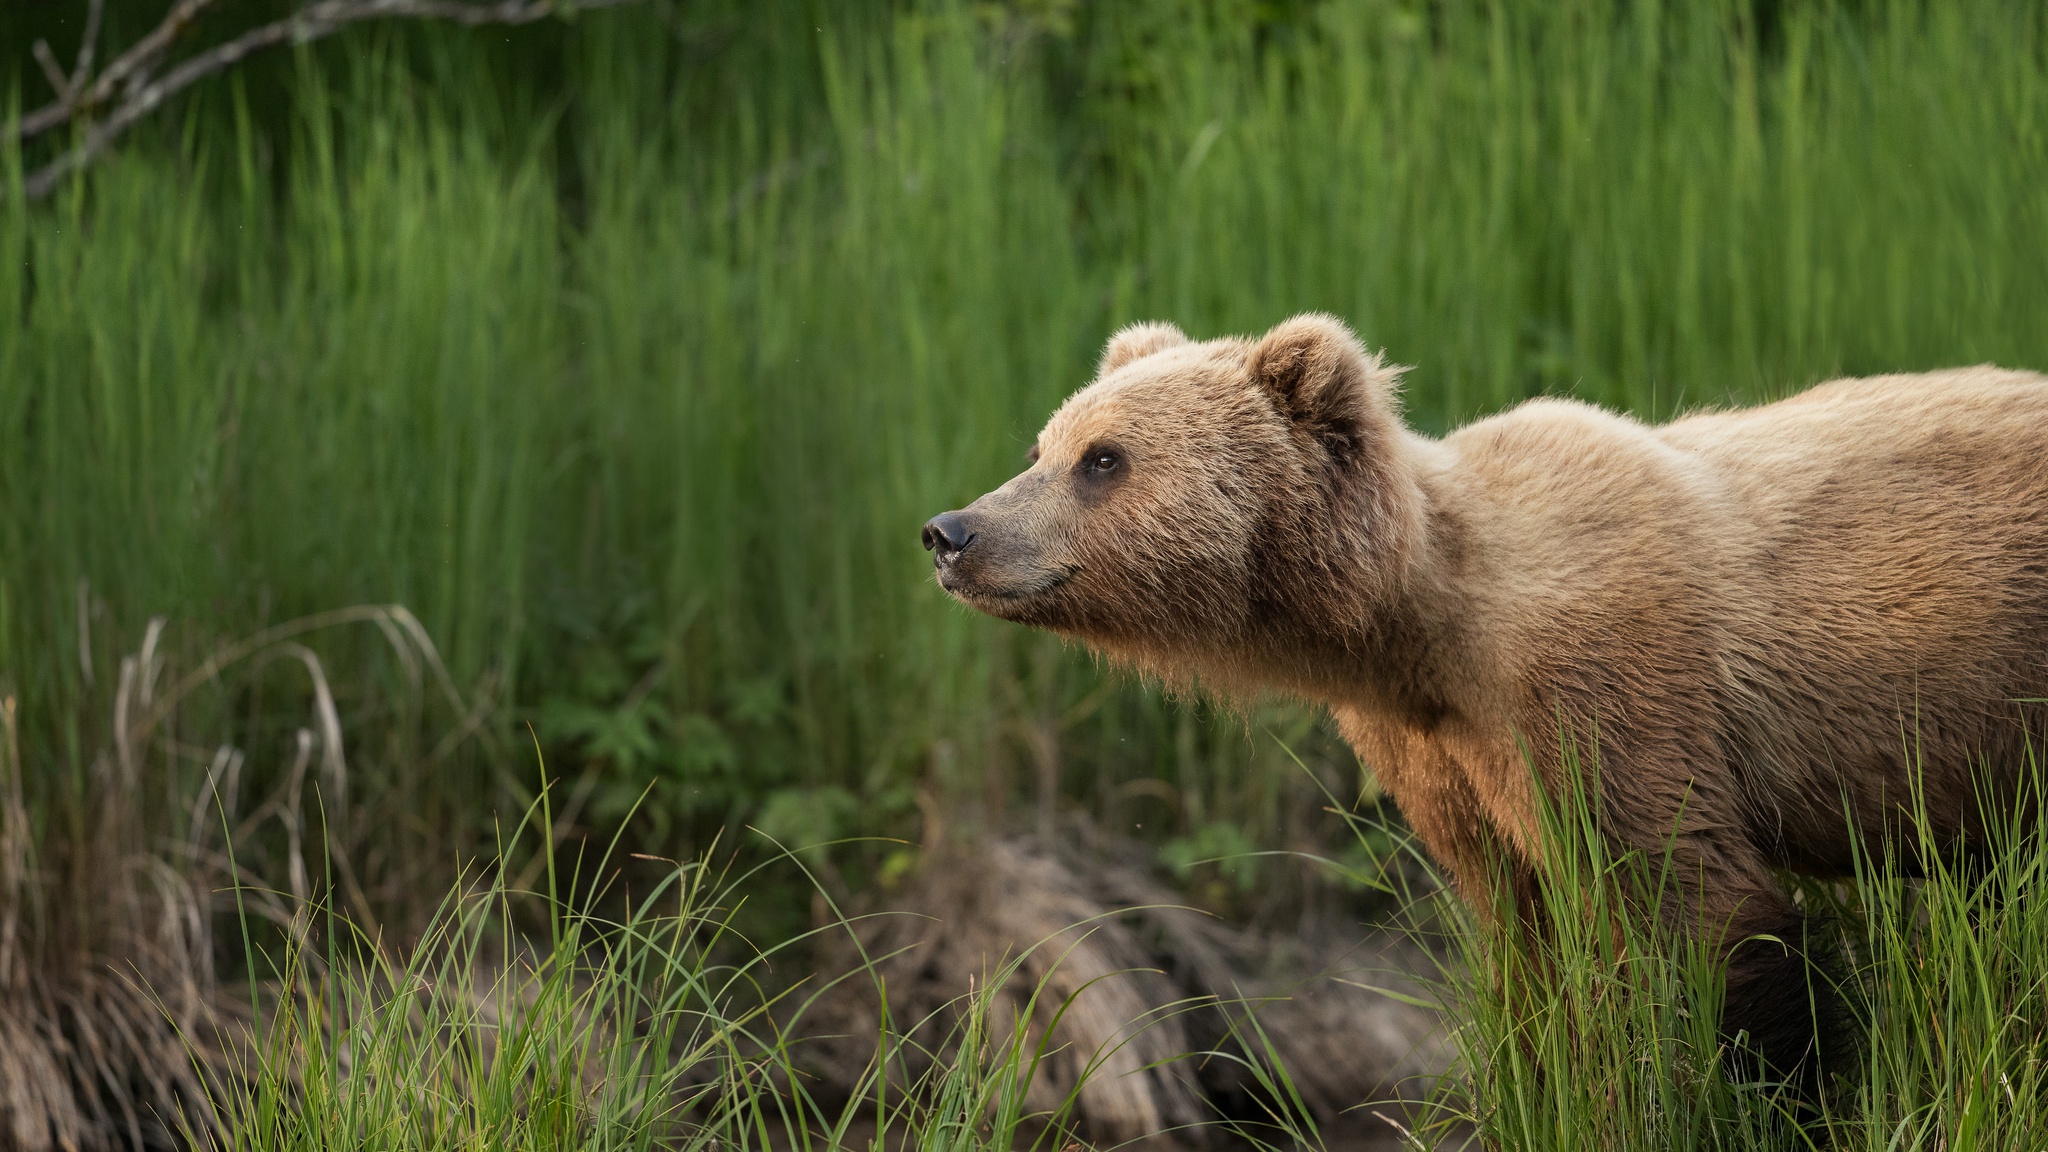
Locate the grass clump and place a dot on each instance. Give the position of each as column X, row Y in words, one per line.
column 605, row 1033
column 1592, row 1028
column 1954, row 975
column 526, row 1018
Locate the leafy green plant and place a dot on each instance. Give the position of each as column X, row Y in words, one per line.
column 1220, row 846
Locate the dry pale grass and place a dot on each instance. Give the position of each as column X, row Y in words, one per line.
column 114, row 1029
column 105, row 961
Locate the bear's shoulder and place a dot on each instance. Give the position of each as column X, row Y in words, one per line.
column 1561, row 456
column 1559, row 502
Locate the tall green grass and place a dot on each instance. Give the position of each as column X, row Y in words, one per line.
column 1955, row 983
column 634, row 375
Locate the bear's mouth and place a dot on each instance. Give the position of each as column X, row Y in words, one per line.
column 994, row 600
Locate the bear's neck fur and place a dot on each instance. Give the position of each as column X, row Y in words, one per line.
column 1365, row 614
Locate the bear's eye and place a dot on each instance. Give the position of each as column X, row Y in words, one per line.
column 1101, row 460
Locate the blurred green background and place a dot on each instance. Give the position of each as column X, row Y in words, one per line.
column 630, row 352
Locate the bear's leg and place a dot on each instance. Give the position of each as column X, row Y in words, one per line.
column 1784, row 1002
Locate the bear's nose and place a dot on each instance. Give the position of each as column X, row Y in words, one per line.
column 947, row 535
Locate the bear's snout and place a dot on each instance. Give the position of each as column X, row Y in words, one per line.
column 946, row 536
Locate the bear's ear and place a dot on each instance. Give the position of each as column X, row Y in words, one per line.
column 1136, row 341
column 1318, row 372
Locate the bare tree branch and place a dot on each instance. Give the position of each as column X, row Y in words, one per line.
column 141, row 89
column 51, row 72
column 88, row 44
column 140, row 58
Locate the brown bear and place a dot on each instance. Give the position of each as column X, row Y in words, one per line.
column 1768, row 616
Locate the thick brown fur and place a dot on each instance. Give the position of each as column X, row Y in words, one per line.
column 1768, row 617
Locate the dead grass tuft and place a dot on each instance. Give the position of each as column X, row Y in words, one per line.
column 114, row 1030
column 105, row 971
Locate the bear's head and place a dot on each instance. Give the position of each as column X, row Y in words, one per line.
column 1201, row 507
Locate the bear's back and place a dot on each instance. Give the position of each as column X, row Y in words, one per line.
column 1905, row 517
column 1892, row 495
column 1884, row 430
